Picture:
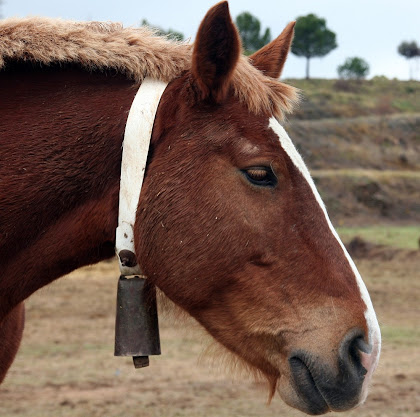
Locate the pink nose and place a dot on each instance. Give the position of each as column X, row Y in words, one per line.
column 369, row 362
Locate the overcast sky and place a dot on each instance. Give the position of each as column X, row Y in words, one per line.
column 370, row 29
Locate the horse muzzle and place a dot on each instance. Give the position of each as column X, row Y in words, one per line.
column 320, row 388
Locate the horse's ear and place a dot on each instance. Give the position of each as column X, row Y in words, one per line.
column 216, row 52
column 270, row 58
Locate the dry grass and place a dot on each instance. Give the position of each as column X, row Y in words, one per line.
column 379, row 96
column 65, row 366
column 397, row 236
column 374, row 142
column 372, row 174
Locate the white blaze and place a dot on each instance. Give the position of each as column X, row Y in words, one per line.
column 370, row 316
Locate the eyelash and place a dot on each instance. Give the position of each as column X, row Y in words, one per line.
column 261, row 176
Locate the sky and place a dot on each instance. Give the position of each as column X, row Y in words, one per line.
column 370, row 29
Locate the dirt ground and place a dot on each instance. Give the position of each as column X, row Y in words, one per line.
column 66, row 365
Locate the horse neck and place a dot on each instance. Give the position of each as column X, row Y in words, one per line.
column 61, row 135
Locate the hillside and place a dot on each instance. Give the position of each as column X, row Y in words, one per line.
column 341, row 99
column 389, row 142
column 361, row 141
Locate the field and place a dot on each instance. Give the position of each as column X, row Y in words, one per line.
column 66, row 365
column 362, row 144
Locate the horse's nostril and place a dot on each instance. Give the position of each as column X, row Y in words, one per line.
column 354, row 354
column 359, row 343
column 352, row 348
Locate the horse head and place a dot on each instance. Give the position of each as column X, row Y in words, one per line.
column 232, row 229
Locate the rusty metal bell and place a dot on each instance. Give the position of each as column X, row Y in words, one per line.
column 136, row 326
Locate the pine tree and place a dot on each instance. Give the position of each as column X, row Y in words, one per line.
column 312, row 38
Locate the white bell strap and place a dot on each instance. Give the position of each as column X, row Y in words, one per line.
column 138, row 132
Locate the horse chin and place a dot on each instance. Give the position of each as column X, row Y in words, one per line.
column 313, row 404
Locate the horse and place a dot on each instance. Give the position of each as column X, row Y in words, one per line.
column 229, row 224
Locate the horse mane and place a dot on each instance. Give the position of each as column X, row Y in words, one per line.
column 134, row 52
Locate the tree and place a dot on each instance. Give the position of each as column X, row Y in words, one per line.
column 170, row 33
column 353, row 68
column 249, row 29
column 409, row 50
column 312, row 38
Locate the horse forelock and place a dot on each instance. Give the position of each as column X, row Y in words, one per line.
column 134, row 52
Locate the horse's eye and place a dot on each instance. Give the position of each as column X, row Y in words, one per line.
column 262, row 176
